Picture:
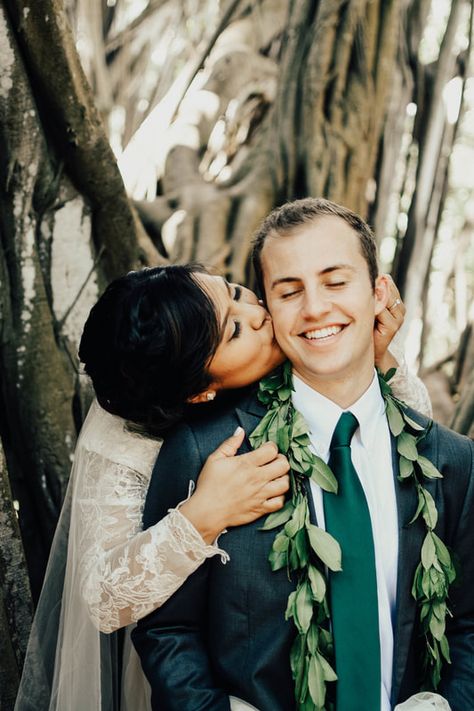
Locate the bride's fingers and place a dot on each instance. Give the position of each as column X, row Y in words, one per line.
column 277, row 487
column 274, row 504
column 395, row 305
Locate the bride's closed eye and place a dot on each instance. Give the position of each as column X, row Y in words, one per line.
column 237, row 330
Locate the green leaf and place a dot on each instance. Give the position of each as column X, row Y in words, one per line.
column 284, row 393
column 304, row 607
column 428, row 552
column 416, row 589
column 439, row 609
column 406, row 467
column 419, row 508
column 389, row 374
column 278, row 518
column 281, row 542
column 395, row 420
column 425, row 608
column 298, row 669
column 323, row 476
column 294, row 464
column 444, row 647
column 426, row 584
column 442, row 552
column 299, row 425
column 312, row 639
column 406, row 446
column 278, row 560
column 428, row 468
column 317, row 582
column 328, row 671
column 283, row 439
column 279, row 553
column 325, row 546
column 437, row 628
column 411, row 423
column 298, row 518
column 290, row 606
column 429, row 512
column 316, row 685
column 302, row 547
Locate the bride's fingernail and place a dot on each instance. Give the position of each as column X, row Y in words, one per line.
column 239, row 430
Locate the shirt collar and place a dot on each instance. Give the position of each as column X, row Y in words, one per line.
column 322, row 414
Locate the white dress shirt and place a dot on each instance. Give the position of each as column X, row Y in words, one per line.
column 372, row 459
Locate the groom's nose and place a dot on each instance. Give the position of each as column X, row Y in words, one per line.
column 315, row 303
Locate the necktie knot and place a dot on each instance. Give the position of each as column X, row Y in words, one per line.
column 345, row 428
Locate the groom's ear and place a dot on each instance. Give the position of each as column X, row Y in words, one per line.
column 381, row 292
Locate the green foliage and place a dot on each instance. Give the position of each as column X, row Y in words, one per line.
column 435, row 572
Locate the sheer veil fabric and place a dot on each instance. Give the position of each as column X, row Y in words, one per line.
column 70, row 664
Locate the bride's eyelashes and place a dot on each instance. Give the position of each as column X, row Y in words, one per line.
column 237, row 330
column 237, row 292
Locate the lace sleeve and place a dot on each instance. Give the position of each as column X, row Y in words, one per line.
column 406, row 386
column 125, row 572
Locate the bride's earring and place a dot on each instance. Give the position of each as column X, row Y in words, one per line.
column 210, row 396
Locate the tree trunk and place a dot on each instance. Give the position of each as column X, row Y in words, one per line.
column 15, row 607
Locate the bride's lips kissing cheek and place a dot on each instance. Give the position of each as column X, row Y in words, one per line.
column 322, row 301
column 247, row 350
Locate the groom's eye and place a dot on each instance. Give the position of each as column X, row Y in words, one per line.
column 288, row 294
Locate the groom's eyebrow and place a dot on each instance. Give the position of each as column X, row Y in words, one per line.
column 327, row 270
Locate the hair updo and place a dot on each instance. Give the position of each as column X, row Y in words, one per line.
column 147, row 343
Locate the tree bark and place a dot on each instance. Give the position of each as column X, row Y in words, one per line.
column 74, row 124
column 15, row 605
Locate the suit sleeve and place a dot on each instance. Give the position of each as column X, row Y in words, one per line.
column 171, row 641
column 458, row 677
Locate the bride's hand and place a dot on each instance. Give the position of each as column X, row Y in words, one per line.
column 387, row 324
column 236, row 489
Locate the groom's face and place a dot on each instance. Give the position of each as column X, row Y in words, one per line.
column 321, row 300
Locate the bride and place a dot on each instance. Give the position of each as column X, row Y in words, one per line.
column 154, row 348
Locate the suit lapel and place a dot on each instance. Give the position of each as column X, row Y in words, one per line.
column 250, row 413
column 410, row 541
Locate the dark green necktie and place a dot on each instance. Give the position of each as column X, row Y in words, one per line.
column 353, row 591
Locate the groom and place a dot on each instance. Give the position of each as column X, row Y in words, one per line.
column 224, row 632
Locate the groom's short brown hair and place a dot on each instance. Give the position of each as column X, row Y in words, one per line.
column 289, row 217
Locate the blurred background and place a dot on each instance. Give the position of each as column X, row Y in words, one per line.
column 137, row 132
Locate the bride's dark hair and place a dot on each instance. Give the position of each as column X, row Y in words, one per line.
column 147, row 342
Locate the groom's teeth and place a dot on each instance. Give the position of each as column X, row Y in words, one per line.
column 323, row 332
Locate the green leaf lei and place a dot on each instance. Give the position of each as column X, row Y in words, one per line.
column 305, row 550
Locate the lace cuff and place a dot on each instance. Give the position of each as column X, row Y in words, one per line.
column 190, row 538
